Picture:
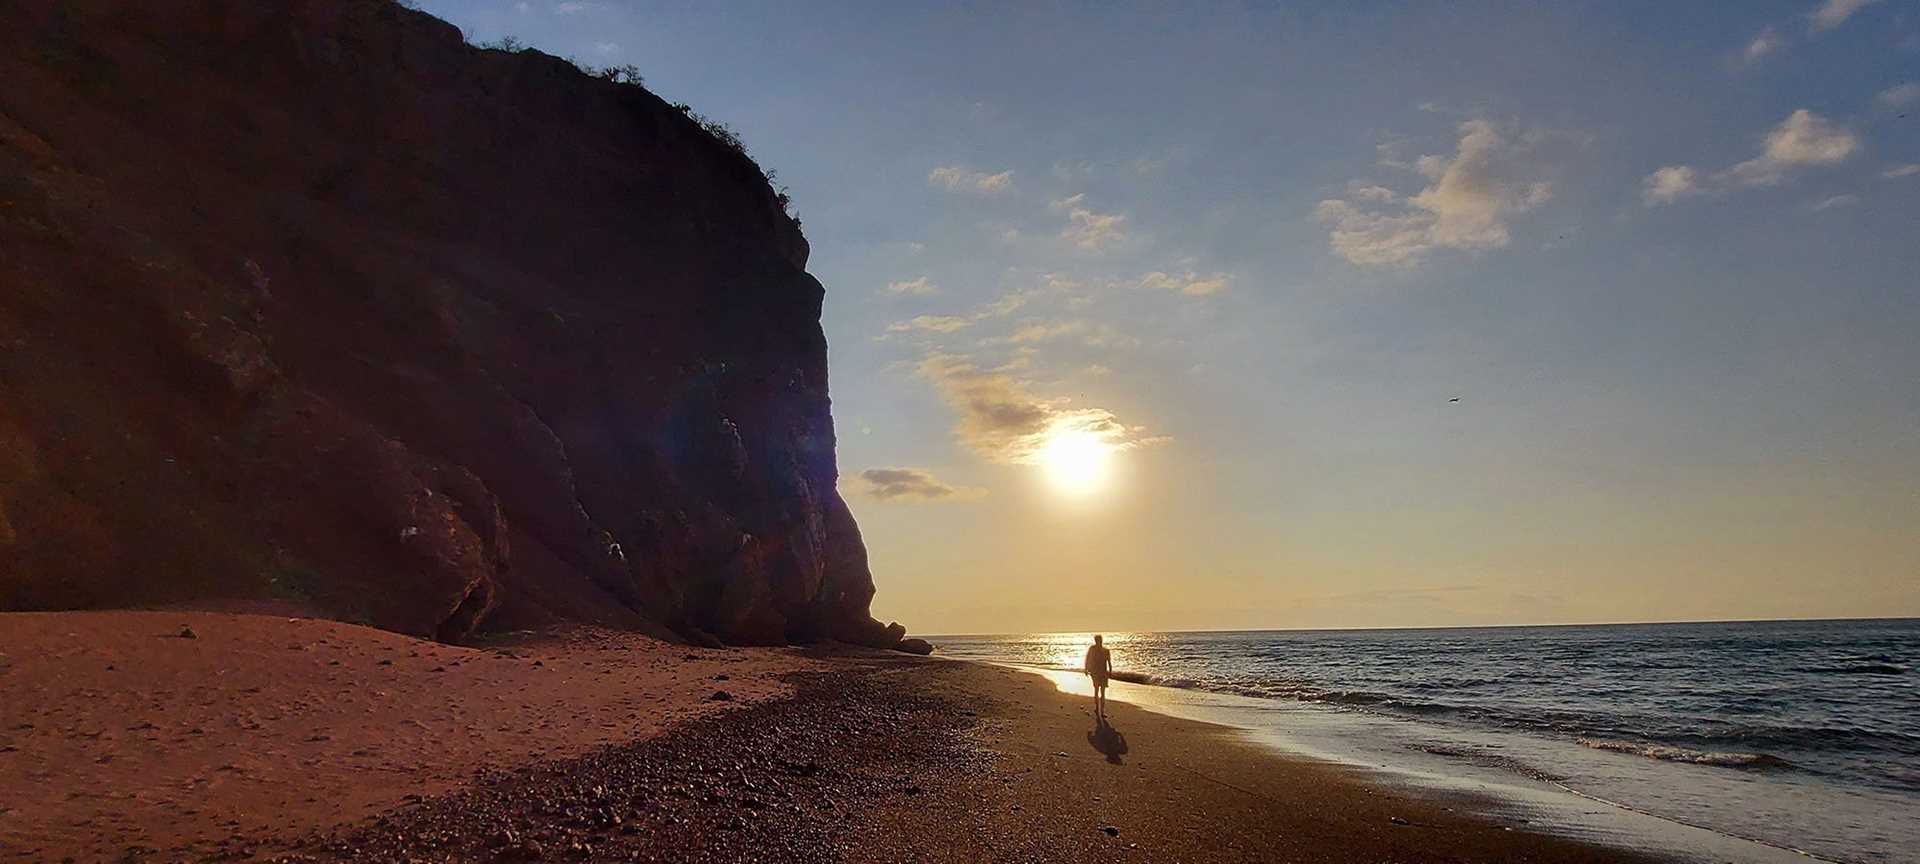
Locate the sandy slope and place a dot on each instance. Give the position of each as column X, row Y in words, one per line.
column 115, row 731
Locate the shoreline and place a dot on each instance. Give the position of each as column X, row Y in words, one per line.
column 600, row 746
column 1451, row 766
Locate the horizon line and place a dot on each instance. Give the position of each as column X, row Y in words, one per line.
column 1443, row 626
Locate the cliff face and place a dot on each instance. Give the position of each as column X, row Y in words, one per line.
column 312, row 300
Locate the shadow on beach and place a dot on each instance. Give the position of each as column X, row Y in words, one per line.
column 1107, row 740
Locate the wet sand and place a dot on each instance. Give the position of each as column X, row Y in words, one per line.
column 612, row 748
column 1181, row 791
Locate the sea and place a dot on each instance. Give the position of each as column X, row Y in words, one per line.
column 1734, row 741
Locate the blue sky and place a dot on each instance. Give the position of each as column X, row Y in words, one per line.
column 1665, row 256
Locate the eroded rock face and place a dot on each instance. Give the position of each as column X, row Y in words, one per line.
column 311, row 300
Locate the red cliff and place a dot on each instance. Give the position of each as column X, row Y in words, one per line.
column 314, row 301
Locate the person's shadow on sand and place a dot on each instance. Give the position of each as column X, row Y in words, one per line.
column 1107, row 739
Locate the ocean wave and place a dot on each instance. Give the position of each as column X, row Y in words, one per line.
column 1294, row 691
column 1859, row 669
column 1684, row 739
column 1694, row 757
column 1801, row 737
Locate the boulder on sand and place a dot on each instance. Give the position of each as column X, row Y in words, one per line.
column 915, row 646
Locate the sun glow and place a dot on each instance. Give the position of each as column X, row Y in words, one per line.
column 1075, row 460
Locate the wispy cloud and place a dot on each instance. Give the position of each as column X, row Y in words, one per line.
column 1669, row 184
column 1471, row 196
column 999, row 307
column 1768, row 42
column 1837, row 201
column 1093, row 231
column 1189, row 283
column 1041, row 331
column 913, row 484
column 1898, row 171
column 919, row 287
column 1803, row 140
column 1006, row 304
column 1900, row 95
column 957, row 178
column 1000, row 419
column 1833, row 13
column 1068, row 202
column 930, row 324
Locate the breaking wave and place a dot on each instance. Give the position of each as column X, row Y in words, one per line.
column 1693, row 757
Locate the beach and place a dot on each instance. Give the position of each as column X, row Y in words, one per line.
column 270, row 738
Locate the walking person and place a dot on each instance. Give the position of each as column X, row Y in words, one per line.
column 1099, row 664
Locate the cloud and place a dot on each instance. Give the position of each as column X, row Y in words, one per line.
column 1492, row 176
column 1900, row 95
column 1801, row 140
column 1093, row 231
column 1041, row 331
column 1669, row 184
column 1190, row 283
column 1034, row 330
column 1833, row 13
column 956, row 178
column 571, row 8
column 930, row 324
column 1001, row 420
column 1387, row 155
column 1000, row 307
column 1898, row 171
column 1005, row 304
column 1366, row 192
column 1768, row 42
column 1837, row 201
column 913, row 484
column 606, row 47
column 912, row 287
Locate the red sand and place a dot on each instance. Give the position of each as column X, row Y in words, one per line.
column 116, row 731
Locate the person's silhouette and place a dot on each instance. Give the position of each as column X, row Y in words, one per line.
column 1099, row 663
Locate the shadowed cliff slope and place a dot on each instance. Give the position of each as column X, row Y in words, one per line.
column 313, row 301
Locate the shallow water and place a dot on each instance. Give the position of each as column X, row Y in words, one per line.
column 1801, row 735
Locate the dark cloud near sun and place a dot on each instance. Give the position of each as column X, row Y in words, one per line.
column 913, row 484
column 1002, row 420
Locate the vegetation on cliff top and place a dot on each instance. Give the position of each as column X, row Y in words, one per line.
column 628, row 75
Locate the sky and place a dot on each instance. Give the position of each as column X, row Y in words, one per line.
column 1341, row 314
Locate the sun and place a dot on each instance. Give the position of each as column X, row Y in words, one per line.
column 1075, row 460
